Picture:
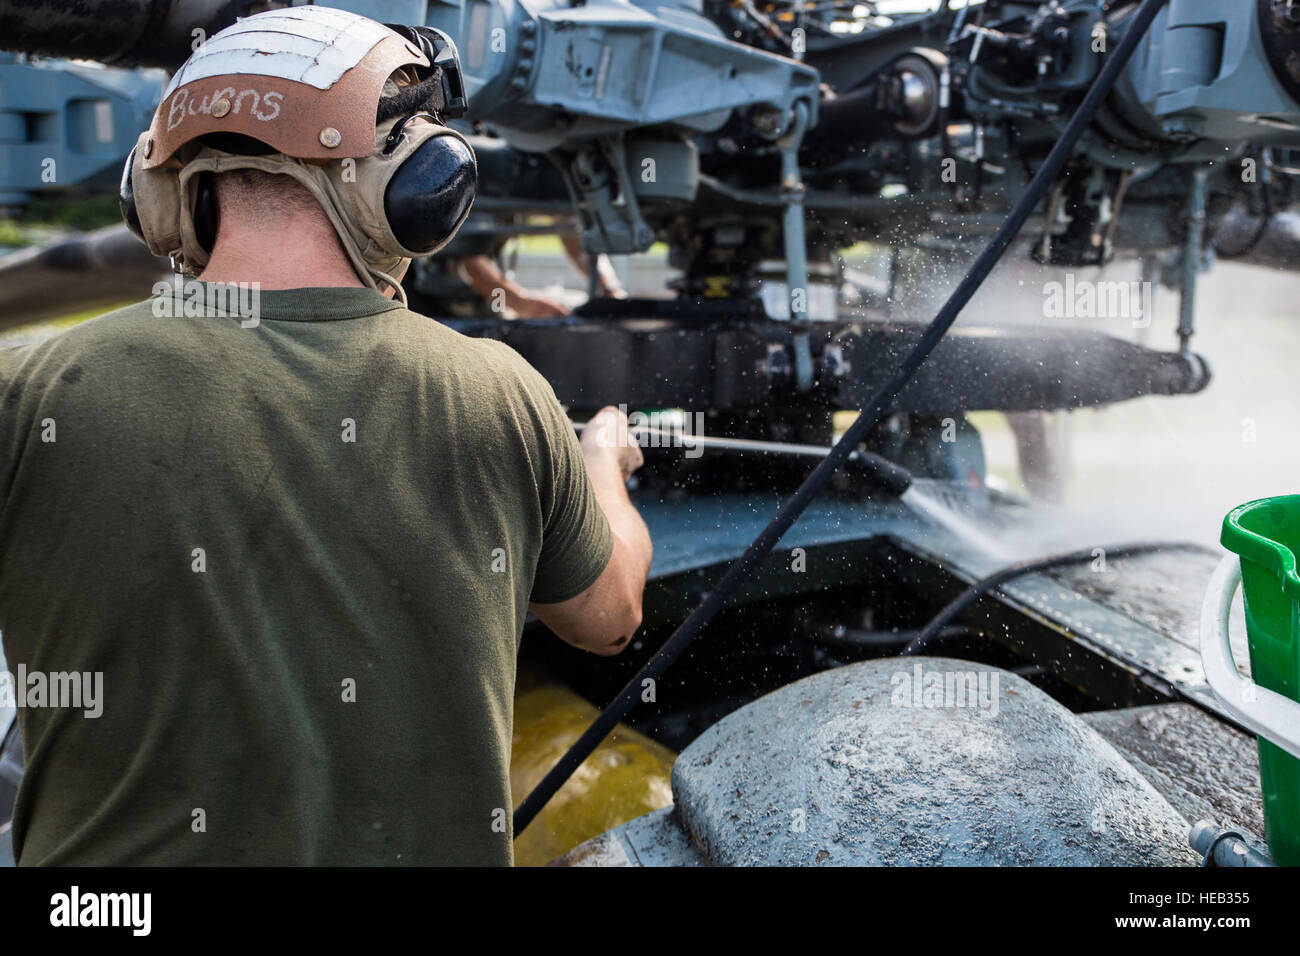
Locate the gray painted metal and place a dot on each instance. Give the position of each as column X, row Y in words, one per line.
column 855, row 766
column 1206, row 769
column 1200, row 62
column 753, row 772
column 1221, row 847
column 64, row 124
column 548, row 73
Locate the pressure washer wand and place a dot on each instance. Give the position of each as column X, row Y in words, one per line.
column 884, row 473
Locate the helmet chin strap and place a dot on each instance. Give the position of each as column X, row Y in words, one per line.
column 372, row 272
column 399, row 294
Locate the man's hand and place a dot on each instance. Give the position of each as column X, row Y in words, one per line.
column 486, row 278
column 604, row 617
column 607, row 435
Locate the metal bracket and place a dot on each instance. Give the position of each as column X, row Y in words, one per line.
column 598, row 177
column 796, row 247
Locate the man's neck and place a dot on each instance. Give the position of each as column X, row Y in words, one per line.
column 298, row 255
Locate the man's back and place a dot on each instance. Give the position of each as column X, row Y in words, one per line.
column 300, row 554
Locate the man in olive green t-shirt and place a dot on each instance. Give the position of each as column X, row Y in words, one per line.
column 300, row 552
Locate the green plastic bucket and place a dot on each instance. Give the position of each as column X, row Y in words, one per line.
column 1266, row 535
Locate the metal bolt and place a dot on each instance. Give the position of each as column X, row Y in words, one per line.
column 330, row 137
column 767, row 121
column 221, row 107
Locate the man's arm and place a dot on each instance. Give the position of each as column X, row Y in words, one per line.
column 604, row 617
column 609, row 283
column 485, row 278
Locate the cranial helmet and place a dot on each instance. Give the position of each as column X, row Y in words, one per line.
column 348, row 107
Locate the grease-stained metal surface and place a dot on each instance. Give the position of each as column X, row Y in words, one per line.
column 627, row 776
column 1206, row 769
column 1161, row 592
column 835, row 770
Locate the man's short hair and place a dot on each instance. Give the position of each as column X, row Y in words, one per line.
column 259, row 197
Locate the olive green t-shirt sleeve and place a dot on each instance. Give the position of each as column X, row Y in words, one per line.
column 577, row 542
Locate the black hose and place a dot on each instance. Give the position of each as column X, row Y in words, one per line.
column 999, row 578
column 1265, row 220
column 856, row 639
column 866, row 420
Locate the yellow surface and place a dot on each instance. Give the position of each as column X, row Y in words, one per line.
column 626, row 777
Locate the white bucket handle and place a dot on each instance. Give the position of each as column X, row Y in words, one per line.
column 1257, row 708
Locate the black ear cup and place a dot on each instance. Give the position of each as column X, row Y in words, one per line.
column 430, row 194
column 205, row 212
column 126, row 199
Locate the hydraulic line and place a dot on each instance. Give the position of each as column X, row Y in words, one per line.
column 1220, row 846
column 1011, row 572
column 1265, row 219
column 880, row 402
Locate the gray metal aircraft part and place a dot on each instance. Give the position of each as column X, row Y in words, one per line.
column 551, row 73
column 653, row 362
column 64, row 123
column 928, row 762
column 1206, row 58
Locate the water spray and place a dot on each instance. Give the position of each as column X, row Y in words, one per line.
column 880, row 472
